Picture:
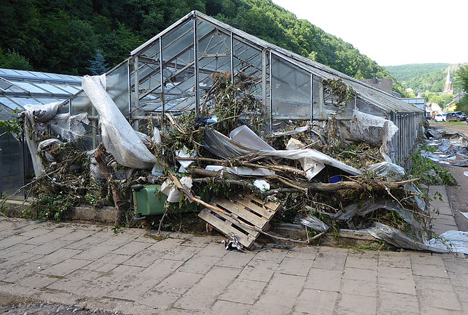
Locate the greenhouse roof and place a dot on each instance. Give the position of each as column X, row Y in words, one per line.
column 381, row 100
column 19, row 88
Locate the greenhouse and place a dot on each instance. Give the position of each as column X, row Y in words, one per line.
column 17, row 89
column 172, row 73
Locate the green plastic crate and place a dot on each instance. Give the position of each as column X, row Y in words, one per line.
column 148, row 200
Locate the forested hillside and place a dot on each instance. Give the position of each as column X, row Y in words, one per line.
column 65, row 36
column 422, row 77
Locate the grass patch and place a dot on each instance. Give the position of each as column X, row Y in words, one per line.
column 453, row 123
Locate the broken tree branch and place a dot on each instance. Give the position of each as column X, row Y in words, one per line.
column 99, row 156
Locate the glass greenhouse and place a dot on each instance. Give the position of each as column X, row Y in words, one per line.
column 172, row 73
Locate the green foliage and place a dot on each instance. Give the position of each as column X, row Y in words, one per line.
column 52, row 206
column 463, row 104
column 421, row 77
column 62, row 36
column 430, row 172
column 13, row 126
column 461, row 78
column 13, row 60
column 98, row 64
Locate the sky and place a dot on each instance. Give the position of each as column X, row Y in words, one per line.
column 393, row 32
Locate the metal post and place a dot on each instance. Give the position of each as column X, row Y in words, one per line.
column 264, row 73
column 161, row 69
column 195, row 65
column 136, row 95
column 271, row 95
column 232, row 58
column 311, row 97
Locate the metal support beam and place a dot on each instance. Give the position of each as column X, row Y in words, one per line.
column 195, row 65
column 271, row 95
column 232, row 57
column 161, row 73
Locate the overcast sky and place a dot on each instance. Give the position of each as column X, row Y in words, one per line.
column 393, row 32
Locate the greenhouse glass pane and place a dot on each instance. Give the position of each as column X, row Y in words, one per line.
column 51, row 88
column 291, row 91
column 81, row 104
column 117, row 87
column 30, row 88
column 317, row 96
column 71, row 89
column 178, row 41
column 25, row 101
column 9, row 103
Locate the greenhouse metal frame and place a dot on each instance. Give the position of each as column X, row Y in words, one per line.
column 172, row 73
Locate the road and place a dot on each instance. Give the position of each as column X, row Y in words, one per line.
column 457, row 195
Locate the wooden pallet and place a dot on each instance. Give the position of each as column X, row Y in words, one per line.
column 249, row 210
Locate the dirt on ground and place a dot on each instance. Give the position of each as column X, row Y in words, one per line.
column 457, row 195
column 18, row 305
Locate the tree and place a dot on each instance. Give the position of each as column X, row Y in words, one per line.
column 461, row 80
column 98, row 64
column 13, row 60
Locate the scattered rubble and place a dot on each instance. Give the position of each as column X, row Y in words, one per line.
column 220, row 163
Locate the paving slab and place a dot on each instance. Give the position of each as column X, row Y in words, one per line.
column 133, row 273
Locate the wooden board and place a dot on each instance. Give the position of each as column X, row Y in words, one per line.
column 248, row 209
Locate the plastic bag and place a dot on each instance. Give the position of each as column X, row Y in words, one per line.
column 313, row 222
column 388, row 170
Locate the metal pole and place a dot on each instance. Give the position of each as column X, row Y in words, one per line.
column 136, row 95
column 161, row 69
column 311, row 97
column 264, row 74
column 271, row 95
column 232, row 57
column 195, row 56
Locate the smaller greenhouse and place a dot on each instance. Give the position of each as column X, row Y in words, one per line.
column 17, row 89
column 174, row 71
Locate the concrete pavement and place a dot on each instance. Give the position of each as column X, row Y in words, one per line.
column 135, row 272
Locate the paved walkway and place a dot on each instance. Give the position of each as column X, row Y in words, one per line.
column 137, row 273
column 441, row 212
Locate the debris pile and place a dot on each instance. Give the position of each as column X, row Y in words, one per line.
column 221, row 163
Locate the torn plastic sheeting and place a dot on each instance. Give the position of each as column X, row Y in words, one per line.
column 172, row 193
column 33, row 114
column 454, row 241
column 310, row 166
column 42, row 113
column 224, row 147
column 69, row 127
column 388, row 170
column 118, row 136
column 184, row 153
column 262, row 185
column 369, row 206
column 241, row 171
column 312, row 222
column 373, row 130
column 247, row 137
column 399, row 239
column 291, row 132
